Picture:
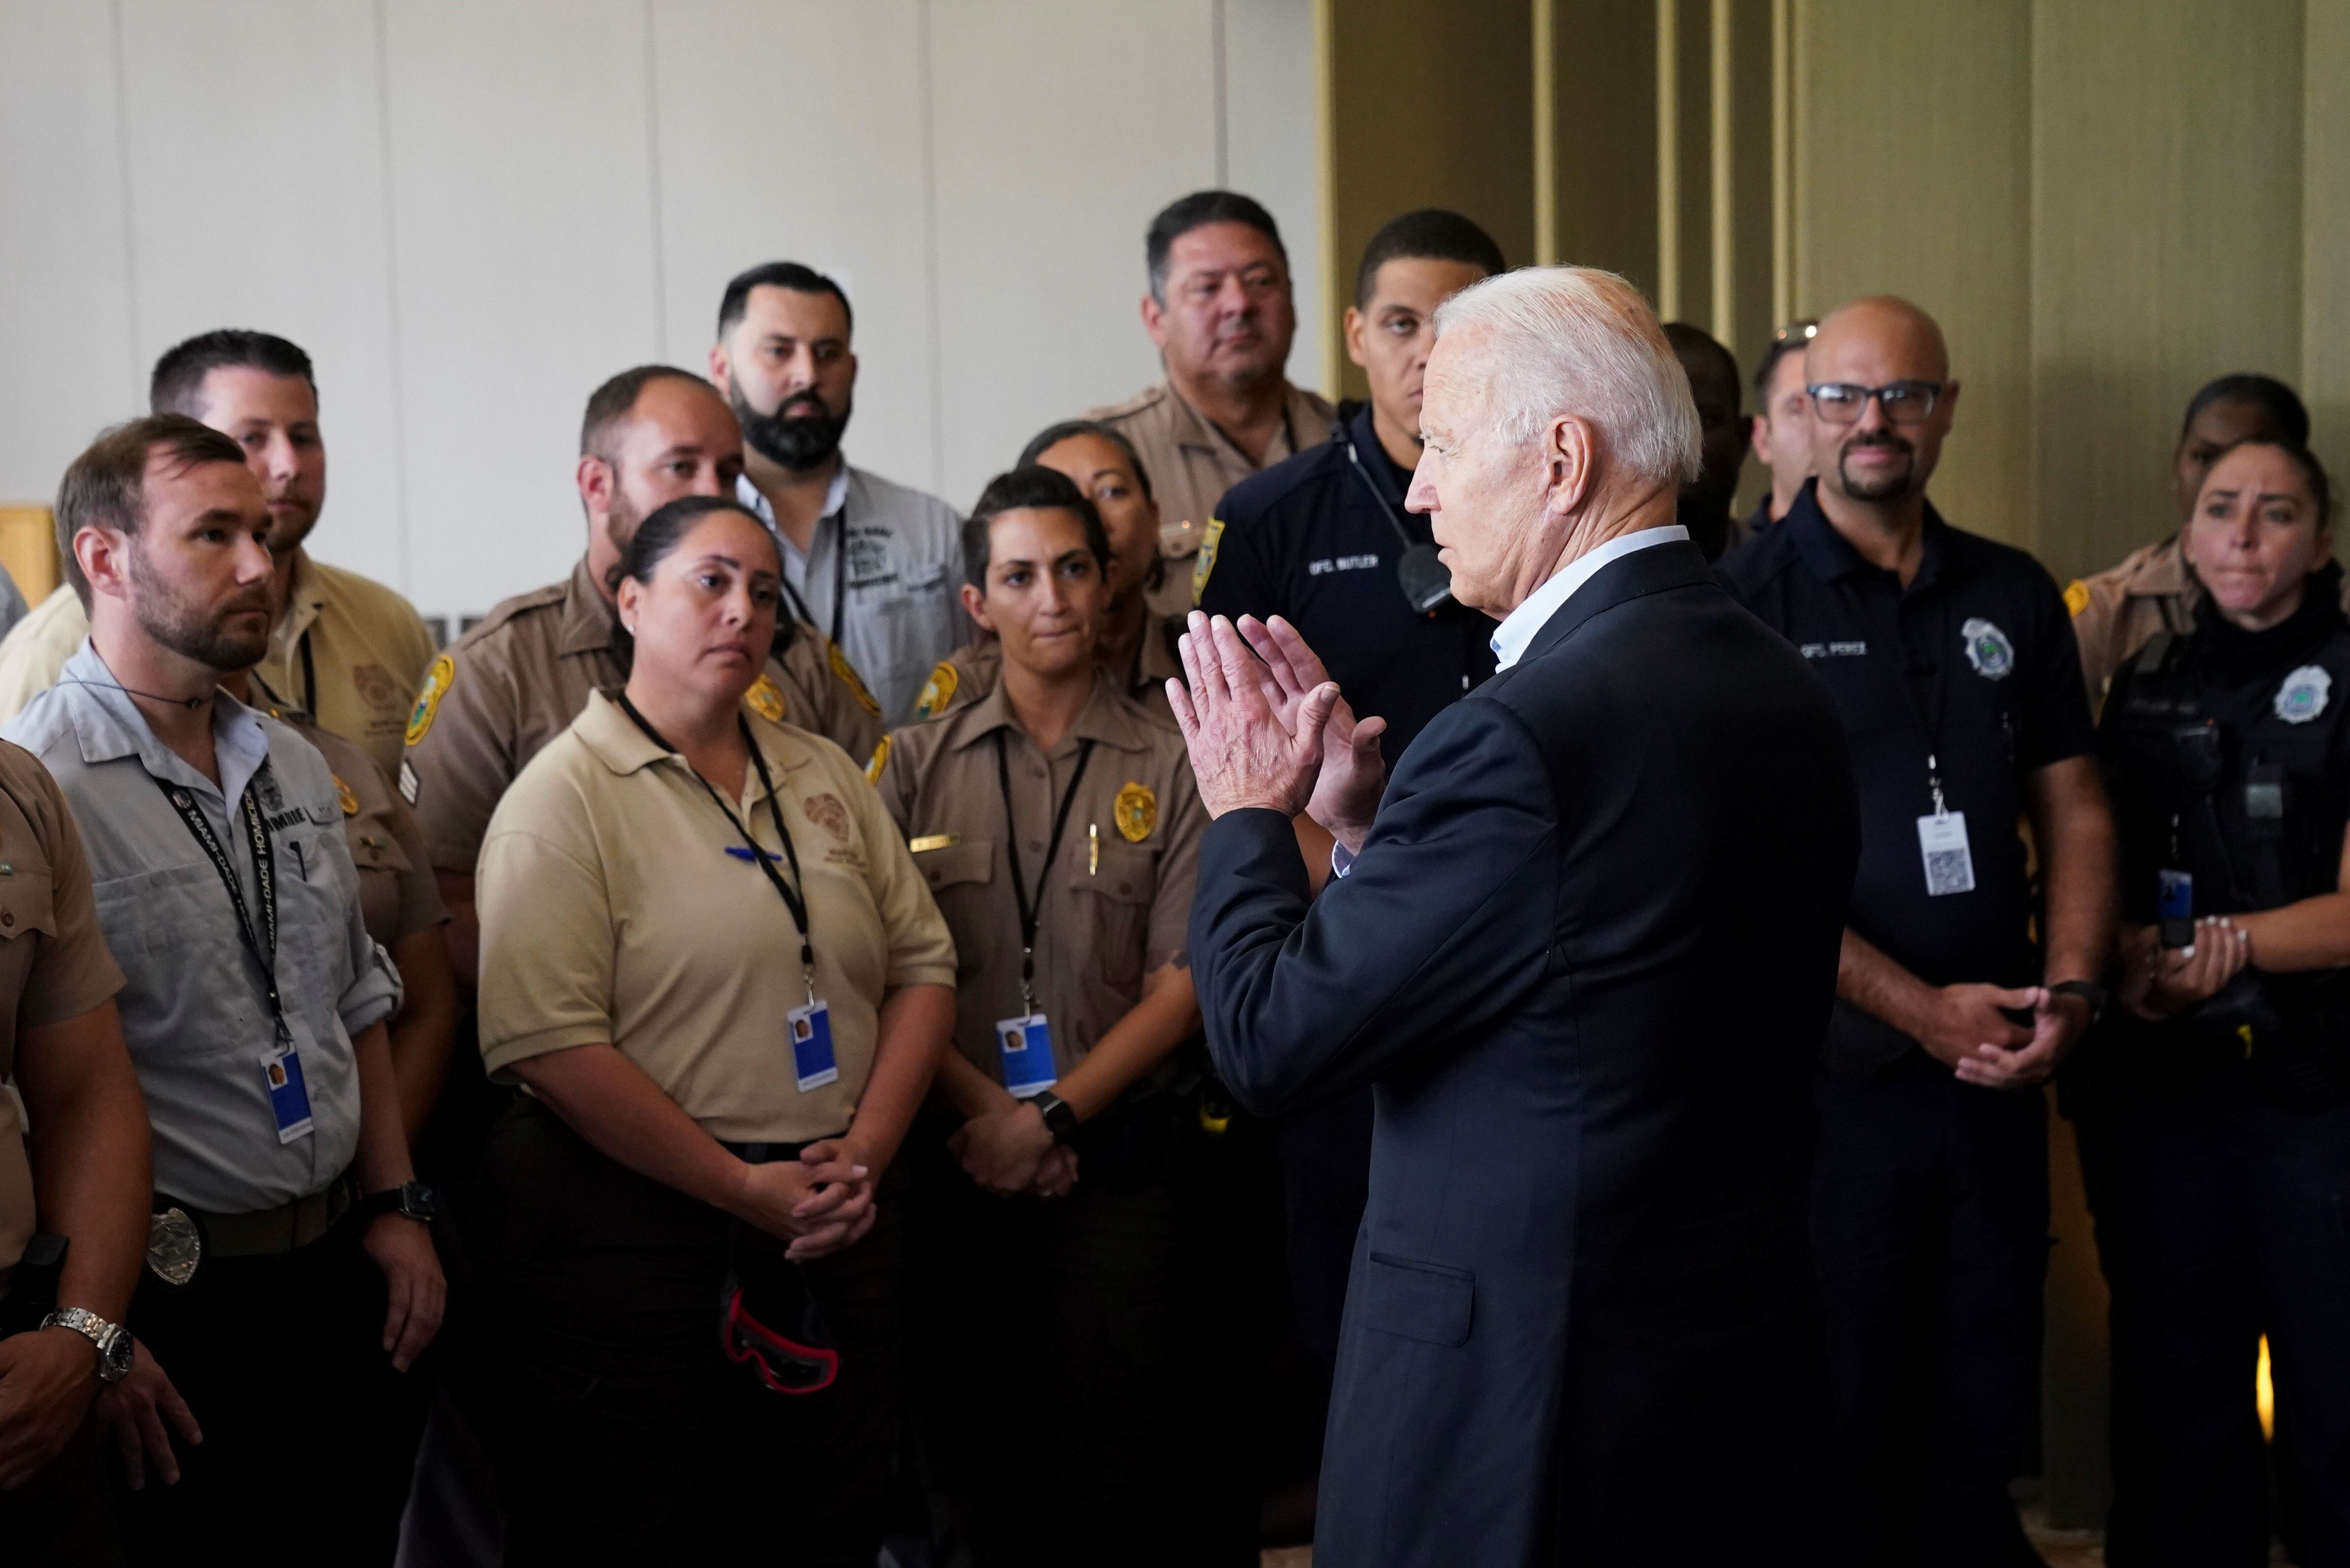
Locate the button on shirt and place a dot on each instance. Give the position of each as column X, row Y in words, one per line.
column 619, row 908
column 194, row 1010
column 1115, row 902
column 53, row 959
column 1978, row 641
column 898, row 613
column 1317, row 539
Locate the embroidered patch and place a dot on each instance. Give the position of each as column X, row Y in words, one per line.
column 938, row 690
column 826, row 812
column 846, row 673
column 437, row 683
column 2305, row 694
column 766, row 700
column 1136, row 811
column 880, row 760
column 1988, row 649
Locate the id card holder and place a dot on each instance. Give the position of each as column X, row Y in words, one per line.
column 289, row 1094
column 812, row 1064
column 1942, row 842
column 1024, row 1046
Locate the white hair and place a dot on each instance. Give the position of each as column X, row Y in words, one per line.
column 1577, row 340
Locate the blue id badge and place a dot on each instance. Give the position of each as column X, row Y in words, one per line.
column 812, row 1060
column 289, row 1096
column 1024, row 1045
column 2174, row 894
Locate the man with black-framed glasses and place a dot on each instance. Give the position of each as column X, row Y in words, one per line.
column 1951, row 661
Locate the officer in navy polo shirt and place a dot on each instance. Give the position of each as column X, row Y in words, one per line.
column 1952, row 659
column 1324, row 540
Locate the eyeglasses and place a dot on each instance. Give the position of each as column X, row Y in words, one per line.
column 1904, row 402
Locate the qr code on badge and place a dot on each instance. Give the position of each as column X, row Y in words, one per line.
column 1949, row 871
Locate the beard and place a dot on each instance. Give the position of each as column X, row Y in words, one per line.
column 193, row 631
column 801, row 434
column 1893, row 485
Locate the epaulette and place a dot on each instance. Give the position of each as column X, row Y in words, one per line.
column 508, row 609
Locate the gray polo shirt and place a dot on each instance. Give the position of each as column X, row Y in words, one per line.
column 901, row 613
column 193, row 1008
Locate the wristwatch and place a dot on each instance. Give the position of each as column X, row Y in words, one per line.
column 411, row 1200
column 2088, row 990
column 1059, row 1120
column 113, row 1341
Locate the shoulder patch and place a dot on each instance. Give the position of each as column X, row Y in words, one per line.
column 1136, row 811
column 437, row 682
column 880, row 761
column 767, row 698
column 846, row 673
column 2076, row 596
column 1205, row 565
column 938, row 690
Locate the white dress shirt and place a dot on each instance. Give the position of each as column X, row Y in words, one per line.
column 1517, row 630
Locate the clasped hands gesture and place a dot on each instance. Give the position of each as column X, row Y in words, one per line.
column 819, row 1203
column 2160, row 983
column 1267, row 727
column 1008, row 1150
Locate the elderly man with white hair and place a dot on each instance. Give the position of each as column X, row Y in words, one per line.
column 1583, row 944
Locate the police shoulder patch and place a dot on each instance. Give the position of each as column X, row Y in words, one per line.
column 767, row 698
column 1204, row 566
column 2076, row 596
column 938, row 690
column 437, row 682
column 880, row 760
column 846, row 673
column 1136, row 811
column 344, row 797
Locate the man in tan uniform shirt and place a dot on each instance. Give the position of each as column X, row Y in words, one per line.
column 346, row 649
column 1221, row 313
column 66, row 1074
column 2119, row 610
column 518, row 678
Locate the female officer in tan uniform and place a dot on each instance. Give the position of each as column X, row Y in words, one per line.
column 1057, row 823
column 708, row 957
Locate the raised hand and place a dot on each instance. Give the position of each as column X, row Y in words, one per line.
column 1242, row 753
column 1347, row 795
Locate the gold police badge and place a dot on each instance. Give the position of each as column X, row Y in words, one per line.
column 1136, row 811
column 767, row 698
column 349, row 802
column 437, row 683
column 938, row 690
column 846, row 673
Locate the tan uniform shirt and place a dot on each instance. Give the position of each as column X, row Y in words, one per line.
column 1190, row 464
column 2117, row 611
column 612, row 912
column 399, row 894
column 368, row 652
column 973, row 671
column 54, row 962
column 1117, row 898
column 517, row 680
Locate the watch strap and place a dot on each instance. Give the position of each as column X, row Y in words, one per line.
column 1059, row 1120
column 2088, row 990
column 107, row 1336
column 412, row 1200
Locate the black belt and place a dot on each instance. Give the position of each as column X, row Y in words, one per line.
column 770, row 1153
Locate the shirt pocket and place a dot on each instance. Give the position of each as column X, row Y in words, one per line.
column 961, row 877
column 148, row 913
column 1114, row 902
column 315, row 890
column 27, row 908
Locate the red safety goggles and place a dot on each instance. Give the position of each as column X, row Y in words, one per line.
column 769, row 1322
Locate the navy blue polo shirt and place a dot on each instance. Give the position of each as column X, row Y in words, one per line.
column 1974, row 665
column 1310, row 539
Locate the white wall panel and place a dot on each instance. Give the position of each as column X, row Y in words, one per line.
column 1270, row 154
column 523, row 271
column 67, row 362
column 1061, row 126
column 792, row 130
column 257, row 200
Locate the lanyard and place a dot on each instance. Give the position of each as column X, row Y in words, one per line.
column 309, row 678
column 265, row 878
column 1929, row 719
column 1029, row 914
column 793, row 901
column 839, row 579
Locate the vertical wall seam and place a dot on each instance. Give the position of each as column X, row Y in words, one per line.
column 653, row 180
column 1325, row 148
column 1669, row 161
column 1783, row 164
column 396, row 354
column 1223, row 95
column 930, row 248
column 122, row 68
column 1545, row 23
column 1722, row 177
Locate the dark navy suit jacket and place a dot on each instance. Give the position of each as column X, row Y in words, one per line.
column 1586, row 957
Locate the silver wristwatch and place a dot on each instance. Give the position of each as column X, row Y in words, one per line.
column 113, row 1341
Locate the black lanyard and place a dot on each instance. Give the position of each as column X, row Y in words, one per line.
column 309, row 678
column 260, row 941
column 792, row 899
column 840, row 576
column 1029, row 914
column 1929, row 717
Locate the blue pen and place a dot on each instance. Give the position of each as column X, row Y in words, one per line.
column 741, row 853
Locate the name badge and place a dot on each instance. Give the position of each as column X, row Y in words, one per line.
column 1942, row 841
column 2174, row 894
column 289, row 1096
column 1026, row 1047
column 812, row 1064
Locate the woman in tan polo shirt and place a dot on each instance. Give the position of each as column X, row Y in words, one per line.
column 708, row 957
